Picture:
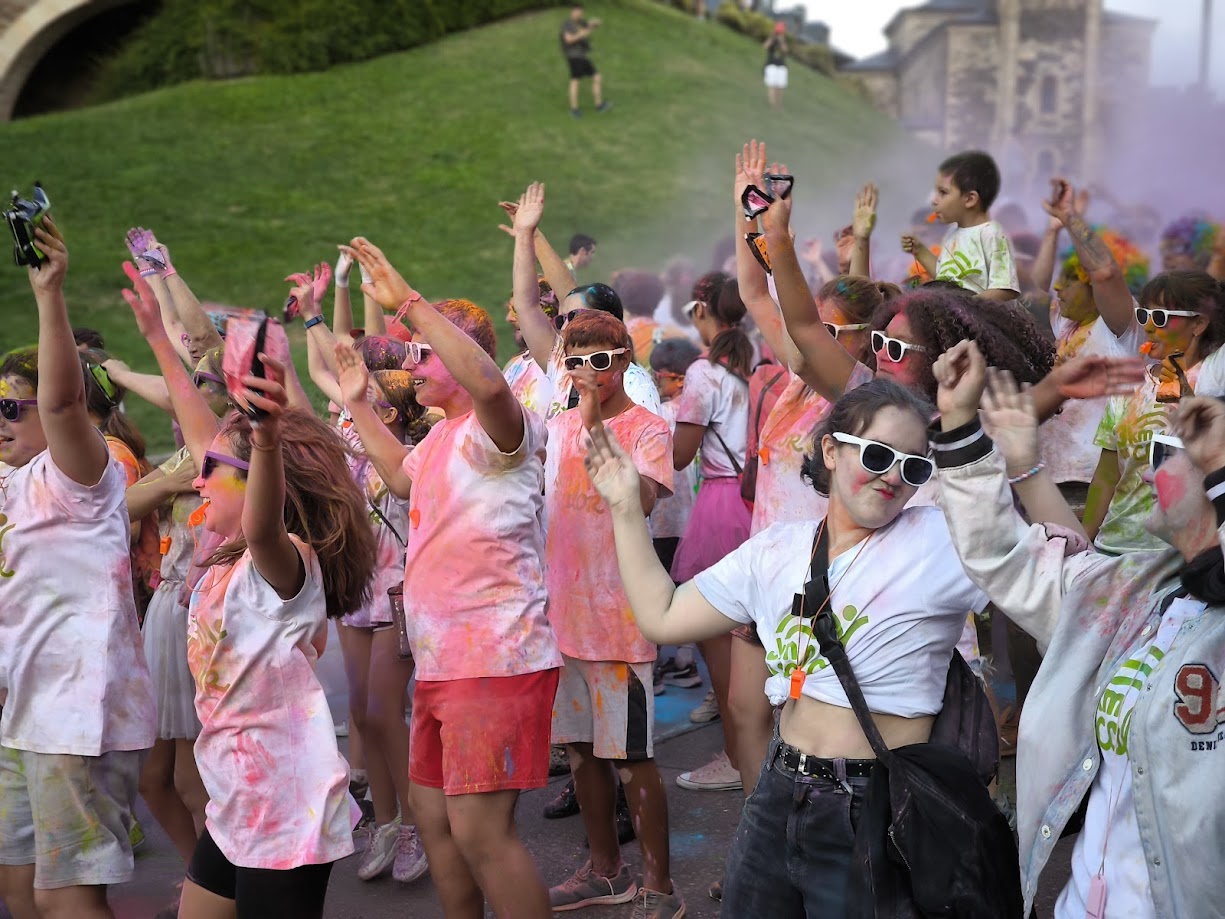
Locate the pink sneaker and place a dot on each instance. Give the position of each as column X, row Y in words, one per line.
column 717, row 775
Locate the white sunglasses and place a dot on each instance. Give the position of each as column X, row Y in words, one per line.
column 419, row 351
column 689, row 307
column 1160, row 316
column 598, row 360
column 835, row 330
column 1161, row 448
column 878, row 458
column 894, row 349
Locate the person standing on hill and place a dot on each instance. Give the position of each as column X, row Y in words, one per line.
column 776, row 65
column 576, row 45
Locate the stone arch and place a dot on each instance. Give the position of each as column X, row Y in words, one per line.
column 34, row 26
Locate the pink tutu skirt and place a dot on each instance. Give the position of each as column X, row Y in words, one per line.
column 718, row 523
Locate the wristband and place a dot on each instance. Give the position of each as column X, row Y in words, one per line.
column 340, row 282
column 1026, row 475
column 312, row 322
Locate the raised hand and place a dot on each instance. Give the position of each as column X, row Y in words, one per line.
column 1200, row 422
column 1010, row 419
column 961, row 374
column 612, row 472
column 344, row 262
column 139, row 241
column 589, row 396
column 864, row 221
column 750, row 168
column 1094, row 376
column 777, row 218
column 320, row 280
column 812, row 252
column 530, row 209
column 386, row 287
column 266, row 393
column 49, row 276
column 1064, row 202
column 351, row 374
column 511, row 208
column 144, row 304
column 844, row 246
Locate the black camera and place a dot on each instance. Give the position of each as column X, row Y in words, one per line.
column 22, row 217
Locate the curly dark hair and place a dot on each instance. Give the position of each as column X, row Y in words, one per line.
column 853, row 414
column 1006, row 333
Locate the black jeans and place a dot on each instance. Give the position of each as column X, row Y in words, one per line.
column 792, row 850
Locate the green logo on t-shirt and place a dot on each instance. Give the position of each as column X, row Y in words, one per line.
column 4, row 571
column 794, row 633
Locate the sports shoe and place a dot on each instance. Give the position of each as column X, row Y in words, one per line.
column 410, row 861
column 136, row 836
column 564, row 805
column 577, row 113
column 586, row 888
column 651, row 904
column 707, row 711
column 603, row 106
column 382, row 851
column 559, row 761
column 717, row 775
column 675, row 675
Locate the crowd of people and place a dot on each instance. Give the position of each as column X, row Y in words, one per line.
column 819, row 475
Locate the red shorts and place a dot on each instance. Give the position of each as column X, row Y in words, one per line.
column 485, row 734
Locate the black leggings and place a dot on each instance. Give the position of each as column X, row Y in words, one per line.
column 260, row 893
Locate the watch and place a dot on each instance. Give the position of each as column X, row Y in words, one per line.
column 312, row 322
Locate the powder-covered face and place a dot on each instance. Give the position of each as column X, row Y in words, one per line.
column 1176, row 337
column 433, row 383
column 873, row 501
column 1076, row 301
column 224, row 490
column 23, row 439
column 908, row 372
column 1174, row 259
column 855, row 343
column 611, row 382
column 1181, row 506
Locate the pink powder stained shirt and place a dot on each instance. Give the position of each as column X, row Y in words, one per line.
column 71, row 655
column 474, row 589
column 389, row 519
column 277, row 784
column 588, row 609
column 529, row 383
column 783, row 495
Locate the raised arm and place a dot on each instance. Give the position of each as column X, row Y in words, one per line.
column 826, row 365
column 381, row 446
column 666, row 614
column 320, row 343
column 534, row 324
column 754, row 290
column 196, row 323
column 275, row 556
column 1042, row 274
column 149, row 386
column 553, row 267
column 198, row 423
column 862, row 225
column 75, row 445
column 1110, row 293
column 497, row 409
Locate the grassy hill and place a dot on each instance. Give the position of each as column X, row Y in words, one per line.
column 249, row 180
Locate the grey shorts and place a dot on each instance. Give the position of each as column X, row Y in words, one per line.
column 69, row 816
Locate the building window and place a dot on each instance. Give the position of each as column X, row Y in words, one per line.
column 1049, row 101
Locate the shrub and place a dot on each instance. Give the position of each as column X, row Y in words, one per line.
column 189, row 39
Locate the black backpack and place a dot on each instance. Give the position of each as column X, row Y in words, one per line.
column 930, row 841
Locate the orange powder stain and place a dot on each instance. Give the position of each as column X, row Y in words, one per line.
column 414, row 517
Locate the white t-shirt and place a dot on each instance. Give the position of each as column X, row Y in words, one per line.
column 1067, row 438
column 978, row 258
column 671, row 514
column 390, row 525
column 529, row 383
column 637, row 382
column 474, row 588
column 278, row 786
column 899, row 600
column 718, row 399
column 1111, row 830
column 71, row 656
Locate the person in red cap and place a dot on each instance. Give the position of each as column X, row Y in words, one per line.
column 776, row 65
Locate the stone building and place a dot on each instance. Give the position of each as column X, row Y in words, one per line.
column 1046, row 85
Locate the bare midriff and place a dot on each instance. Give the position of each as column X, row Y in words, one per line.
column 831, row 731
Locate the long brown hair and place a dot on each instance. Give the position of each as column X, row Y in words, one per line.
column 323, row 507
column 730, row 346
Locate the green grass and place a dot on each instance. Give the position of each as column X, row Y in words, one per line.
column 249, row 180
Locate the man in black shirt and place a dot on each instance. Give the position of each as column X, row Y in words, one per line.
column 575, row 46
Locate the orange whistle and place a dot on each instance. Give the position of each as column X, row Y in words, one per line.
column 1147, row 347
column 414, row 517
column 197, row 516
column 797, row 682
column 164, row 546
column 764, row 454
column 933, row 217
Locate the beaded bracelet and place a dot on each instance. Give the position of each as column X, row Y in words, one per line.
column 1027, row 474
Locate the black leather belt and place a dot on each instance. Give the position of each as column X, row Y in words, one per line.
column 815, row 766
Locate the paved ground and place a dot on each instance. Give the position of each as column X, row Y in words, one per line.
column 702, row 827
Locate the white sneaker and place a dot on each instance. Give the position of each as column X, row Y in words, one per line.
column 381, row 852
column 410, row 861
column 707, row 711
column 717, row 775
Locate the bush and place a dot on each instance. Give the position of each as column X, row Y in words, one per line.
column 189, row 39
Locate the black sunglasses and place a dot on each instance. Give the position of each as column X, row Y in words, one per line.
column 561, row 320
column 11, row 409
